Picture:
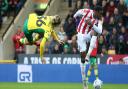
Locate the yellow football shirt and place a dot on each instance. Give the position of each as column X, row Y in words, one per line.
column 40, row 22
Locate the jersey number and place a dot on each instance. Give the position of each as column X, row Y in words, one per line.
column 40, row 22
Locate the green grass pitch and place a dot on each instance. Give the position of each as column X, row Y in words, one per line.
column 56, row 86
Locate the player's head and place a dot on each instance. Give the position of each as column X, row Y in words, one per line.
column 38, row 9
column 98, row 11
column 56, row 20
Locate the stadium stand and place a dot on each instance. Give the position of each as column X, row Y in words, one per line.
column 114, row 38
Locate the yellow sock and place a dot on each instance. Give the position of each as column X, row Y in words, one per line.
column 96, row 72
column 88, row 74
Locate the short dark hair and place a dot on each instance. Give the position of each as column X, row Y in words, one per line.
column 98, row 8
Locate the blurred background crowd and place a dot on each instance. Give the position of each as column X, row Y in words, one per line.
column 114, row 38
column 9, row 8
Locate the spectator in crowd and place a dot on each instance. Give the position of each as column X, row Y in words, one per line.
column 114, row 42
column 70, row 14
column 66, row 49
column 56, row 49
column 101, row 42
column 78, row 5
column 47, row 49
column 116, row 16
column 121, row 41
column 104, row 6
column 19, row 5
column 61, row 33
column 86, row 5
column 125, row 18
column 74, row 47
column 121, row 7
column 19, row 48
column 106, row 19
column 111, row 24
column 94, row 3
column 111, row 7
column 106, row 36
column 119, row 24
column 69, row 27
column 103, row 51
column 13, row 6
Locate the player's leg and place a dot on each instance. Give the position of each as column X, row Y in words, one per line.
column 95, row 66
column 97, row 77
column 28, row 39
column 39, row 35
column 89, row 73
column 82, row 48
column 96, row 71
column 92, row 43
column 91, row 62
column 42, row 45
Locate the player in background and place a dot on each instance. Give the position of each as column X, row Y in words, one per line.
column 93, row 63
column 43, row 26
column 88, row 29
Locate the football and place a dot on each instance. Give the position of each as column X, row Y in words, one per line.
column 97, row 84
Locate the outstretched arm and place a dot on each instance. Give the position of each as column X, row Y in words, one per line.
column 42, row 46
column 80, row 13
column 55, row 36
column 98, row 27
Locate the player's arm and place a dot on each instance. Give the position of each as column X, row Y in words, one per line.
column 98, row 27
column 55, row 37
column 42, row 46
column 80, row 13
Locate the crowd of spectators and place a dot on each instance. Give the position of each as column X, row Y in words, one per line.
column 114, row 38
column 9, row 8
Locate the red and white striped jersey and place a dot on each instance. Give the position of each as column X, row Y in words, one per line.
column 83, row 27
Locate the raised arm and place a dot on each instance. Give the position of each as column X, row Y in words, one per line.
column 55, row 36
column 98, row 27
column 80, row 13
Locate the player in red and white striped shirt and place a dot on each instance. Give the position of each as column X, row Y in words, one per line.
column 88, row 29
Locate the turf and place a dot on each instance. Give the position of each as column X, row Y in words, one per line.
column 56, row 86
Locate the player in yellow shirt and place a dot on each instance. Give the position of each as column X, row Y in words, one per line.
column 43, row 26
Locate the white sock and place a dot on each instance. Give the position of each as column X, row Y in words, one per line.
column 82, row 66
column 92, row 46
